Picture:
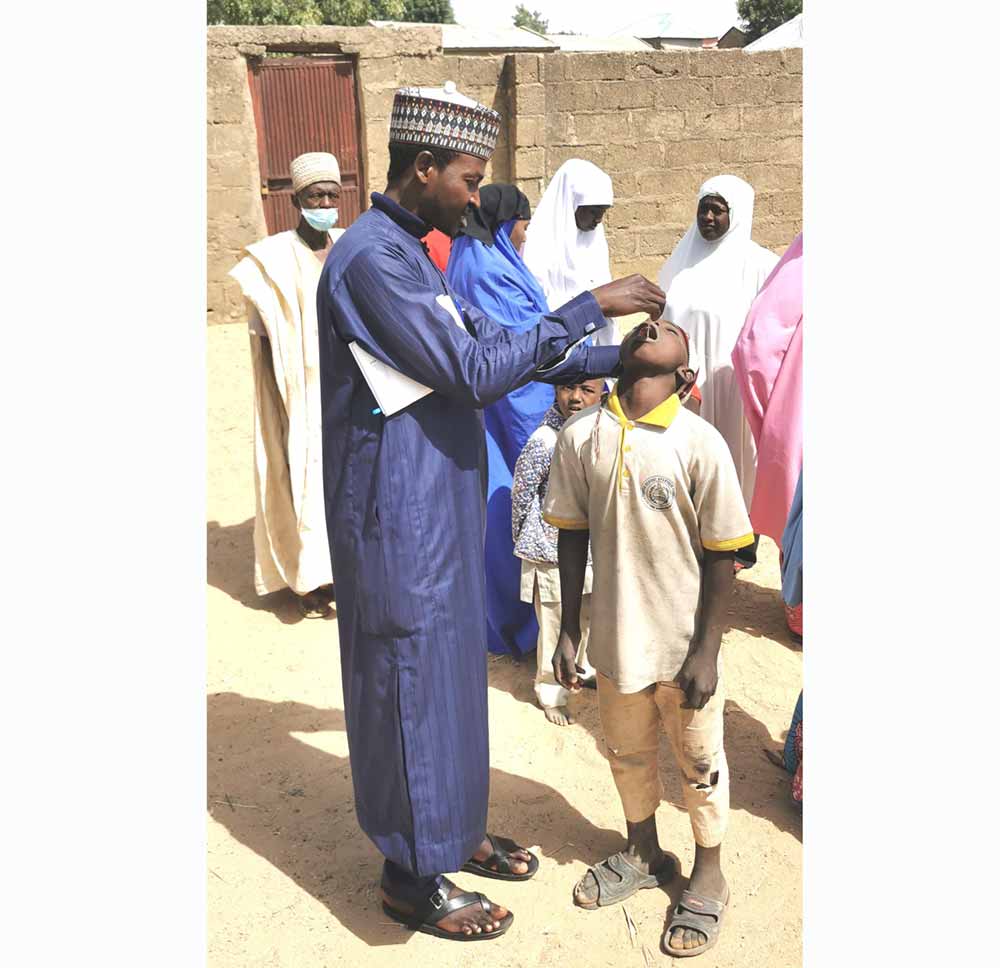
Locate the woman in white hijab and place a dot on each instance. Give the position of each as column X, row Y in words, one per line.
column 565, row 248
column 710, row 280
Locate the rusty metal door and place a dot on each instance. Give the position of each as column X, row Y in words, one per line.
column 306, row 104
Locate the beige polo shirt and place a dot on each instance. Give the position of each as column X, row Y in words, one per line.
column 654, row 493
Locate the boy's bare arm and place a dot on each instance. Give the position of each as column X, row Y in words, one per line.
column 573, row 546
column 699, row 676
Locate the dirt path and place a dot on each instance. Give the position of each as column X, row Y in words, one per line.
column 291, row 879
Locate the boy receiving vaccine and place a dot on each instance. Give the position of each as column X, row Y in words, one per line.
column 652, row 489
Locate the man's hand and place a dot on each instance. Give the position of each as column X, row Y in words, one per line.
column 633, row 294
column 699, row 678
column 564, row 661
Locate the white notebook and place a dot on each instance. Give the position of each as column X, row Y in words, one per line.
column 394, row 391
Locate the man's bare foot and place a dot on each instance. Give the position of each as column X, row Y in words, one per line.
column 707, row 880
column 471, row 919
column 519, row 859
column 559, row 715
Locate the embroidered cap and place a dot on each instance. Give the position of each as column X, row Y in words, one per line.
column 312, row 167
column 441, row 117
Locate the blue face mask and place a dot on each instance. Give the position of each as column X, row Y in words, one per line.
column 321, row 219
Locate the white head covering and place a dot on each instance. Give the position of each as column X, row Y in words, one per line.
column 709, row 287
column 719, row 254
column 312, row 167
column 564, row 260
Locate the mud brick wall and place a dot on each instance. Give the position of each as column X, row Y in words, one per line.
column 660, row 123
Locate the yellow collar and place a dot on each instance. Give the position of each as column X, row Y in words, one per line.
column 662, row 415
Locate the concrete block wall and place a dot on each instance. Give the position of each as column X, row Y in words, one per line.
column 380, row 76
column 661, row 123
column 235, row 212
column 385, row 60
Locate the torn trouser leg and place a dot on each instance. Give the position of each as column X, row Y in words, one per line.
column 632, row 723
column 696, row 738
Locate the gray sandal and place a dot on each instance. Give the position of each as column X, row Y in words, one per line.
column 697, row 913
column 618, row 879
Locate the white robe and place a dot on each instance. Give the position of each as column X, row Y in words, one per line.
column 709, row 287
column 564, row 260
column 279, row 276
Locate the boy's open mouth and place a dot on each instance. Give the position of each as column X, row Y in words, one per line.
column 647, row 333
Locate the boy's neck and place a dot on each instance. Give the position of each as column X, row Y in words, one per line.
column 640, row 394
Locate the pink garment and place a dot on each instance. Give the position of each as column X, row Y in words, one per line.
column 767, row 361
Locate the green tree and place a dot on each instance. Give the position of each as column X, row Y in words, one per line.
column 350, row 13
column 763, row 16
column 532, row 19
column 429, row 11
column 354, row 13
column 264, row 12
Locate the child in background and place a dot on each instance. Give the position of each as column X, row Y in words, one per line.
column 653, row 489
column 535, row 545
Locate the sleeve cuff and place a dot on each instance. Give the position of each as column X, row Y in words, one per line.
column 601, row 361
column 732, row 544
column 565, row 524
column 581, row 315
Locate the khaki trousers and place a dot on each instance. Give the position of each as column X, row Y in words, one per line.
column 632, row 724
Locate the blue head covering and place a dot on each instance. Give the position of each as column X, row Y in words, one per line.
column 495, row 280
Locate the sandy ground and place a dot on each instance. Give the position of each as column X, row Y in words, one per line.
column 291, row 878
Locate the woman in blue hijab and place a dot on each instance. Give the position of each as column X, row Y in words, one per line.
column 486, row 270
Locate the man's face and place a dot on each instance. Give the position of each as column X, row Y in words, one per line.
column 318, row 195
column 588, row 217
column 713, row 217
column 448, row 191
column 655, row 347
column 577, row 396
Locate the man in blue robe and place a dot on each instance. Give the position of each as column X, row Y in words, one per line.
column 405, row 510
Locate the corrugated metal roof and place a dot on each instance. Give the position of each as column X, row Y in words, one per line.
column 459, row 37
column 687, row 19
column 589, row 42
column 787, row 35
column 399, row 24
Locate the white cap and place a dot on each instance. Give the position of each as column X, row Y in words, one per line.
column 312, row 167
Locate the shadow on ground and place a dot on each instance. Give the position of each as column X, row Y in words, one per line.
column 230, row 569
column 293, row 805
column 746, row 741
column 760, row 612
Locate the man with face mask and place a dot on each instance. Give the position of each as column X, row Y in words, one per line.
column 405, row 509
column 279, row 276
